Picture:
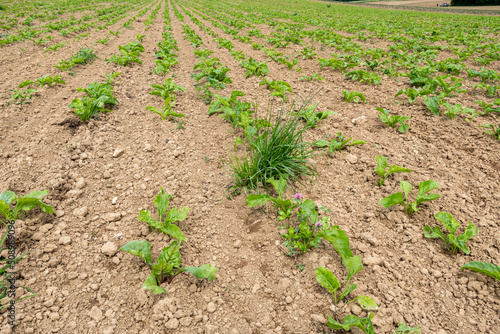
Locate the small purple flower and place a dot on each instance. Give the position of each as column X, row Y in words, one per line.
column 298, row 209
column 298, row 196
column 318, row 224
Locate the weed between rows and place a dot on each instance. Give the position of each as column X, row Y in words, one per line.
column 276, row 150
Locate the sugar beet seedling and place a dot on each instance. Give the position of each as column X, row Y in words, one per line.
column 167, row 266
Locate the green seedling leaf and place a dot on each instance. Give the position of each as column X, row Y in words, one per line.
column 357, row 142
column 354, row 265
column 392, row 200
column 485, row 268
column 403, row 127
column 161, row 201
column 453, row 242
column 367, row 303
column 26, row 83
column 448, row 221
column 406, row 187
column 433, row 232
column 339, row 241
column 279, row 185
column 151, row 284
column 254, row 200
column 423, row 188
column 347, row 291
column 327, row 279
column 321, row 143
column 403, row 329
column 432, row 103
column 167, row 266
column 174, row 231
column 176, row 215
column 365, row 324
column 139, row 248
column 397, row 169
column 145, row 216
column 169, row 259
column 206, row 271
column 382, row 165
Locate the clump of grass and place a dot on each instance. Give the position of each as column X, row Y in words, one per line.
column 275, row 150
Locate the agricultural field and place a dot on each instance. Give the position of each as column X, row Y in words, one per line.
column 254, row 166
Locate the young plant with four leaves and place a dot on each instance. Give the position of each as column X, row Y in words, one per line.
column 453, row 111
column 167, row 110
column 454, row 243
column 494, row 132
column 338, row 144
column 393, row 120
column 23, row 204
column 364, row 76
column 489, row 107
column 353, row 96
column 309, row 114
column 44, row 81
column 423, row 195
column 103, row 41
column 129, row 54
column 278, row 88
column 99, row 95
column 85, row 55
column 488, row 89
column 167, row 266
column 413, row 93
column 303, row 237
column 165, row 224
column 168, row 87
column 339, row 240
column 110, row 77
column 215, row 74
column 383, row 173
column 21, row 97
column 254, row 68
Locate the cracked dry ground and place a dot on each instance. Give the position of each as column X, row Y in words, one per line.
column 83, row 287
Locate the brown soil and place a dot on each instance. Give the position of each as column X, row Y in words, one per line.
column 258, row 288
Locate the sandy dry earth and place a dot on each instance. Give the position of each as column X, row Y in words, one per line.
column 258, row 288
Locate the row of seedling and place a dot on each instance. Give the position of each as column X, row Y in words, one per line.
column 166, row 57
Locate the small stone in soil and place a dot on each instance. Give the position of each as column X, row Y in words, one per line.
column 109, row 248
column 211, row 307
